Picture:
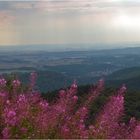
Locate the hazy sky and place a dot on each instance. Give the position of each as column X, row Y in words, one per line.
column 69, row 22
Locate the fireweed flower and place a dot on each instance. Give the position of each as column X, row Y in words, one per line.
column 3, row 82
column 28, row 115
column 136, row 133
column 21, row 98
column 6, row 133
column 44, row 104
column 74, row 85
column 75, row 98
column 16, row 83
column 2, row 94
column 95, row 91
column 10, row 117
column 122, row 90
column 62, row 93
column 73, row 88
column 8, row 102
column 107, row 121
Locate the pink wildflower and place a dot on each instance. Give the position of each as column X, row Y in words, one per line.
column 16, row 83
column 3, row 82
column 75, row 98
column 6, row 133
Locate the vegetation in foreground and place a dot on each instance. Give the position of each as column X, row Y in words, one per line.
column 24, row 113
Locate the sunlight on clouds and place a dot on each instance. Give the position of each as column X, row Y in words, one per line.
column 69, row 21
column 6, row 18
column 8, row 37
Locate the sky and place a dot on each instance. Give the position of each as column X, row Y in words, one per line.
column 69, row 22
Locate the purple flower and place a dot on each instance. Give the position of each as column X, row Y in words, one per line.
column 3, row 82
column 16, row 83
column 6, row 133
column 75, row 98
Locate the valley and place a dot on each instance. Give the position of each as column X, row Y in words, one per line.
column 58, row 69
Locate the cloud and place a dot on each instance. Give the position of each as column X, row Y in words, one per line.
column 67, row 21
column 6, row 18
column 68, row 5
column 115, row 3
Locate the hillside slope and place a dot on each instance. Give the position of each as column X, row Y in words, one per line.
column 128, row 76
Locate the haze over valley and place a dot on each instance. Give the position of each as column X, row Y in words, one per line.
column 61, row 68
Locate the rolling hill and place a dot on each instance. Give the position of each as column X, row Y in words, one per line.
column 128, row 76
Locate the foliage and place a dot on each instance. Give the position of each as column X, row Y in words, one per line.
column 24, row 113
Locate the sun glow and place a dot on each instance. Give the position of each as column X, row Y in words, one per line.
column 127, row 21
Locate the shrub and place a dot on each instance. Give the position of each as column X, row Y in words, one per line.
column 25, row 114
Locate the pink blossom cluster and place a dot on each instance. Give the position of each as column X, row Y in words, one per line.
column 2, row 82
column 28, row 115
column 16, row 83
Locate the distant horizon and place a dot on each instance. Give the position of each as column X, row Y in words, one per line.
column 68, row 47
